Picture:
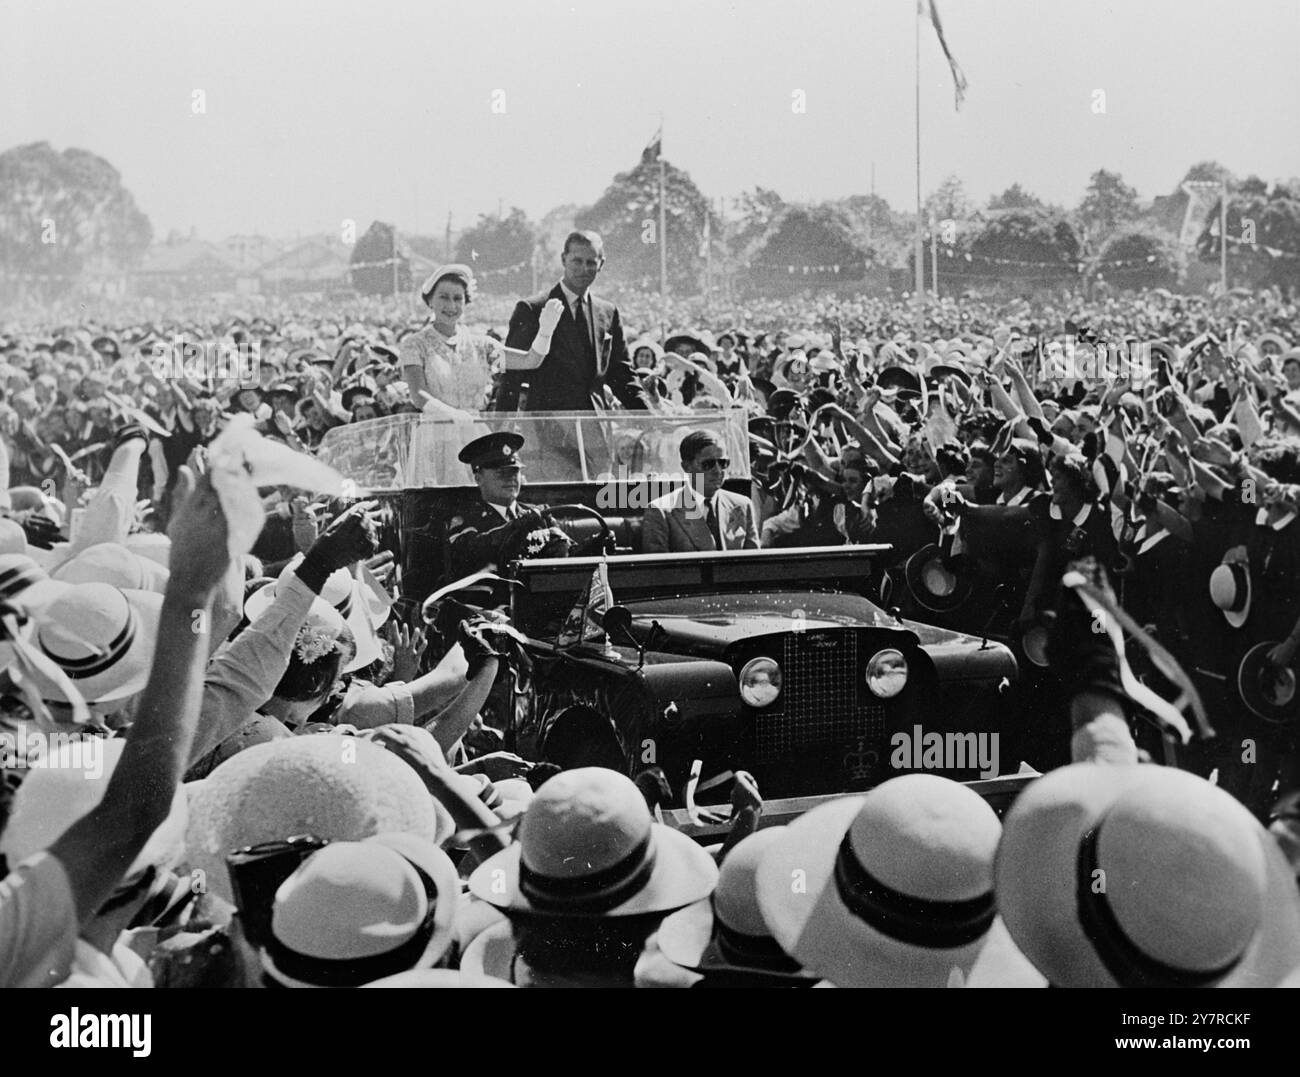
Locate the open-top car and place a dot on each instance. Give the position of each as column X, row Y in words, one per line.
column 778, row 662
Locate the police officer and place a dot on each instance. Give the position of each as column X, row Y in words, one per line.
column 496, row 528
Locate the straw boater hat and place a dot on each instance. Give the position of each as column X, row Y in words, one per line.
column 24, row 583
column 1230, row 590
column 102, row 638
column 337, row 788
column 588, row 848
column 727, row 932
column 891, row 889
column 1144, row 876
column 355, row 912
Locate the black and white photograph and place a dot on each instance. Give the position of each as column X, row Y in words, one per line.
column 691, row 494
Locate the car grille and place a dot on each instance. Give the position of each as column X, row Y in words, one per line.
column 819, row 706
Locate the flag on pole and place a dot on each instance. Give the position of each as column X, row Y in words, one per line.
column 958, row 78
column 585, row 623
column 655, row 148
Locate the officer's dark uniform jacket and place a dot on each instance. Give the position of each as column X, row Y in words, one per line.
column 476, row 536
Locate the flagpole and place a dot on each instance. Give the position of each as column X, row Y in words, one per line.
column 1223, row 231
column 918, row 251
column 663, row 236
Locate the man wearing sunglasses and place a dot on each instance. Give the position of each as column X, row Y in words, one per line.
column 700, row 515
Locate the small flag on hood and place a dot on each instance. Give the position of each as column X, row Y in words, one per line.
column 585, row 623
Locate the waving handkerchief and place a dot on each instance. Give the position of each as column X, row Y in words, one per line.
column 240, row 460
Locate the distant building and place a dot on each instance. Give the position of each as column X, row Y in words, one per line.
column 317, row 264
column 182, row 268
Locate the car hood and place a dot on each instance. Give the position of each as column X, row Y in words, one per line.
column 720, row 620
column 706, row 625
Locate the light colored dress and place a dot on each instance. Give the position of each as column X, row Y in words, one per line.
column 458, row 369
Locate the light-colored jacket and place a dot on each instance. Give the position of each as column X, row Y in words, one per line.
column 677, row 523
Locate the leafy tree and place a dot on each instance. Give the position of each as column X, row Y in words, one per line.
column 1108, row 203
column 61, row 211
column 1015, row 197
column 950, row 202
column 811, row 241
column 1026, row 244
column 372, row 268
column 1263, row 239
column 627, row 218
column 500, row 251
column 1138, row 258
column 757, row 209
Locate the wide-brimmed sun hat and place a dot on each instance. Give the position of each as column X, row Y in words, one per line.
column 588, row 847
column 336, row 787
column 1144, row 876
column 891, row 889
column 355, row 912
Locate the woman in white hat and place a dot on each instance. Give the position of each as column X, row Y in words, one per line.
column 588, row 880
column 451, row 365
column 1145, row 876
column 892, row 889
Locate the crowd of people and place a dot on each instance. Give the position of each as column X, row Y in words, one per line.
column 230, row 760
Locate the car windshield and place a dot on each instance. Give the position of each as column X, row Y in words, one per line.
column 404, row 452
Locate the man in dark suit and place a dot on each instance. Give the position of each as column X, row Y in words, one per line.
column 578, row 337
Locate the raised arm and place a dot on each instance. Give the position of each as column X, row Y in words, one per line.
column 98, row 848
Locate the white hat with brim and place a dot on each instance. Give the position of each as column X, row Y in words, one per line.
column 1178, row 882
column 110, row 562
column 346, row 595
column 25, row 584
column 594, row 852
column 682, row 874
column 726, row 932
column 352, row 911
column 103, row 638
column 1230, row 590
column 805, row 905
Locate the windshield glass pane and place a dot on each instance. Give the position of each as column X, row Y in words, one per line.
column 420, row 451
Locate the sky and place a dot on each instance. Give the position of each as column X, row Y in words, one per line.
column 316, row 112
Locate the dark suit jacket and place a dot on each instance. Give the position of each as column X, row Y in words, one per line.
column 475, row 538
column 567, row 380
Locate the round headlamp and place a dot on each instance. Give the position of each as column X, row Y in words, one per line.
column 760, row 682
column 887, row 673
